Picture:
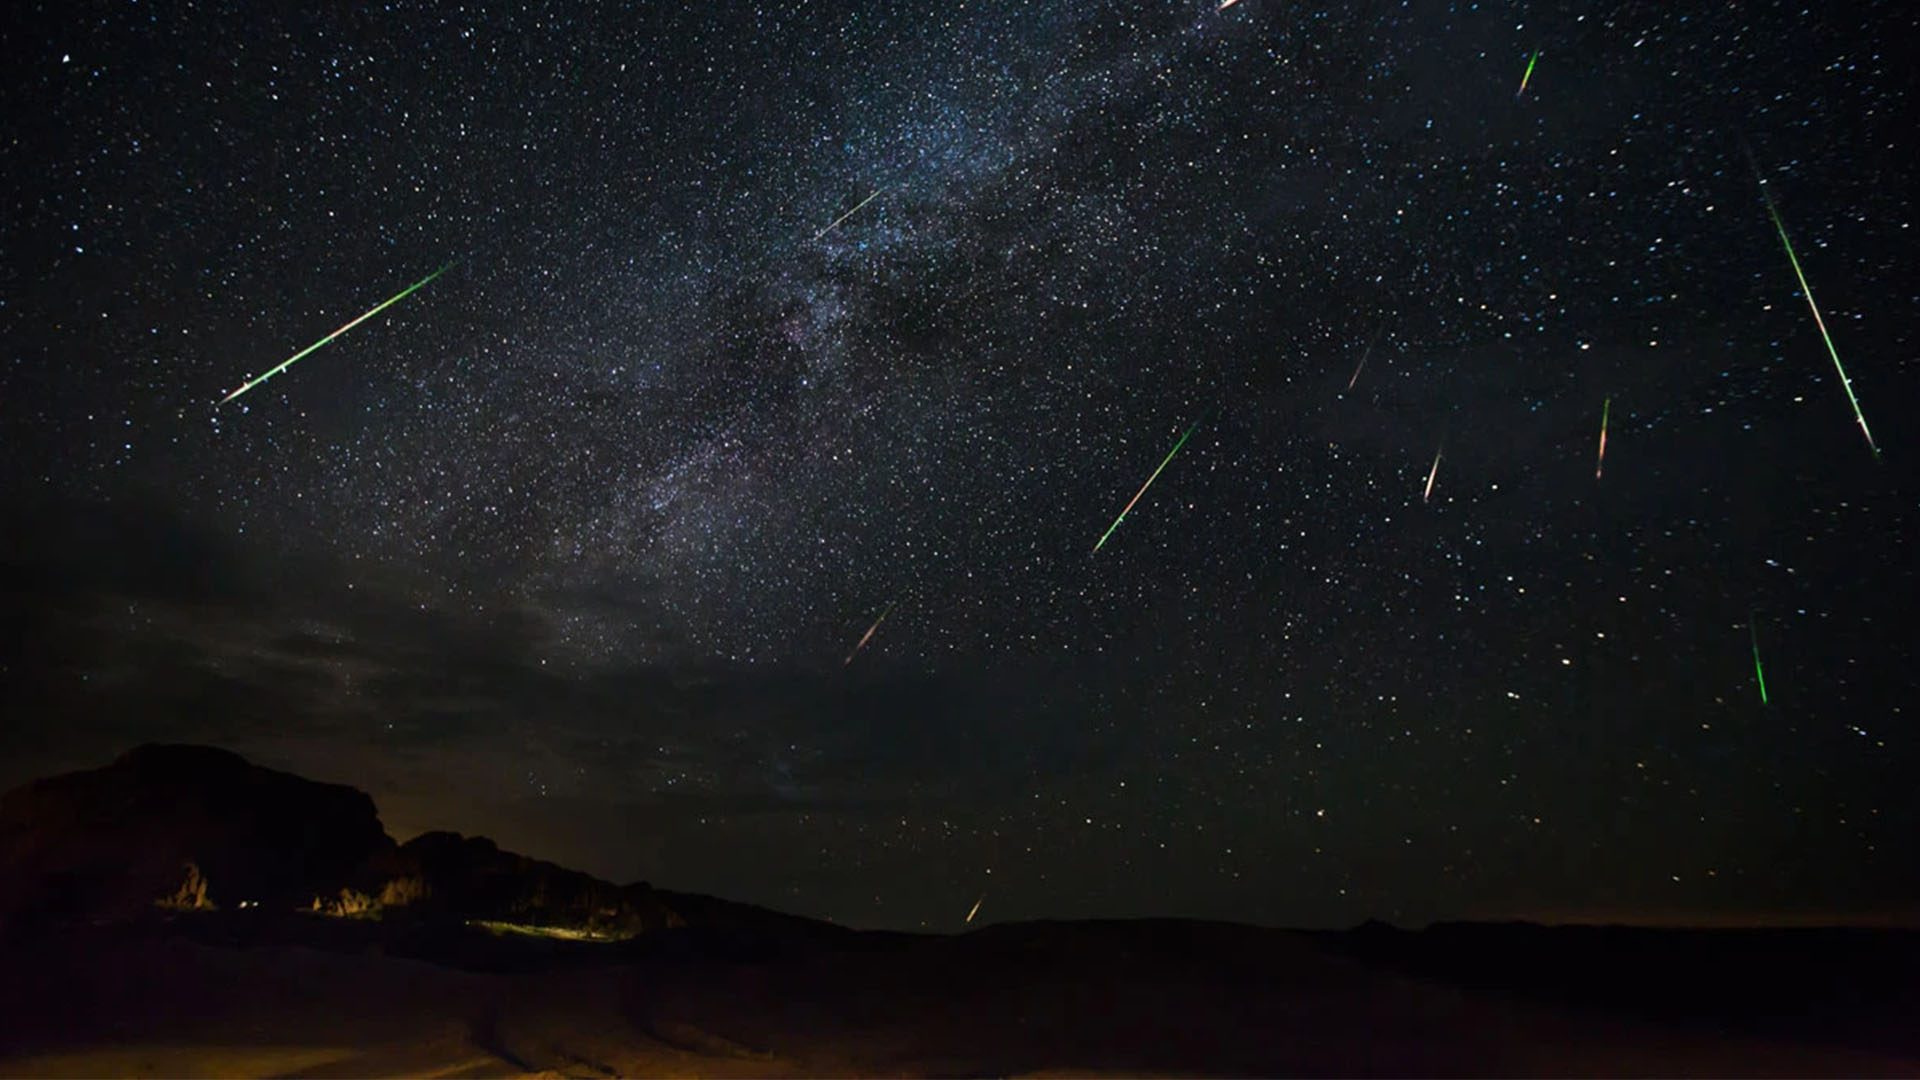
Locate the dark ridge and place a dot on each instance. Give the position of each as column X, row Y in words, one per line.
column 193, row 824
column 168, row 828
column 299, row 911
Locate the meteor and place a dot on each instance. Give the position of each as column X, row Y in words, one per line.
column 856, row 209
column 1759, row 675
column 1534, row 59
column 1143, row 488
column 1605, row 408
column 1807, row 291
column 1363, row 359
column 1225, row 4
column 1431, row 473
column 289, row 361
column 868, row 636
column 983, row 896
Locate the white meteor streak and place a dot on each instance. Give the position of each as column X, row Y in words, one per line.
column 836, row 221
column 1363, row 359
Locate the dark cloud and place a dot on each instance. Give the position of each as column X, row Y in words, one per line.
column 142, row 657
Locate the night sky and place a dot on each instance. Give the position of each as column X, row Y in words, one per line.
column 571, row 546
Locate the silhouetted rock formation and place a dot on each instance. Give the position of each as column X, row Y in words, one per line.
column 192, row 828
column 172, row 831
column 470, row 877
column 190, row 825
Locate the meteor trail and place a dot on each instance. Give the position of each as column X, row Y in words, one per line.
column 1431, row 473
column 1759, row 675
column 1807, row 291
column 1605, row 408
column 1143, row 488
column 836, row 221
column 1363, row 359
column 976, row 907
column 289, row 362
column 1532, row 60
column 1225, row 4
column 868, row 636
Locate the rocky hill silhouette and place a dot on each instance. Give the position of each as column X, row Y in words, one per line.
column 181, row 911
column 189, row 826
column 198, row 828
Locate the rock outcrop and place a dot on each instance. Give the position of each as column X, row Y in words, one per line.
column 471, row 878
column 191, row 828
column 186, row 826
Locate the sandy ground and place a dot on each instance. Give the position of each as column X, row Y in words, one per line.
column 1078, row 1003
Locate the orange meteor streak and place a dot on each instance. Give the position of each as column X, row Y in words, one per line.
column 868, row 636
column 1605, row 408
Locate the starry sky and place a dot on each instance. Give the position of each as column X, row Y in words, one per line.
column 764, row 320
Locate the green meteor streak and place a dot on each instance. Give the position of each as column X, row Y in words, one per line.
column 1807, row 290
column 1532, row 60
column 1759, row 675
column 291, row 360
column 1144, row 487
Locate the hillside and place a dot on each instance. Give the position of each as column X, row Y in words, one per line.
column 310, row 944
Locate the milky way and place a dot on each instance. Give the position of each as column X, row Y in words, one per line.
column 766, row 321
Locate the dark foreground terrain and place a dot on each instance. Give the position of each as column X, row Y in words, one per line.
column 253, row 994
column 451, row 958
